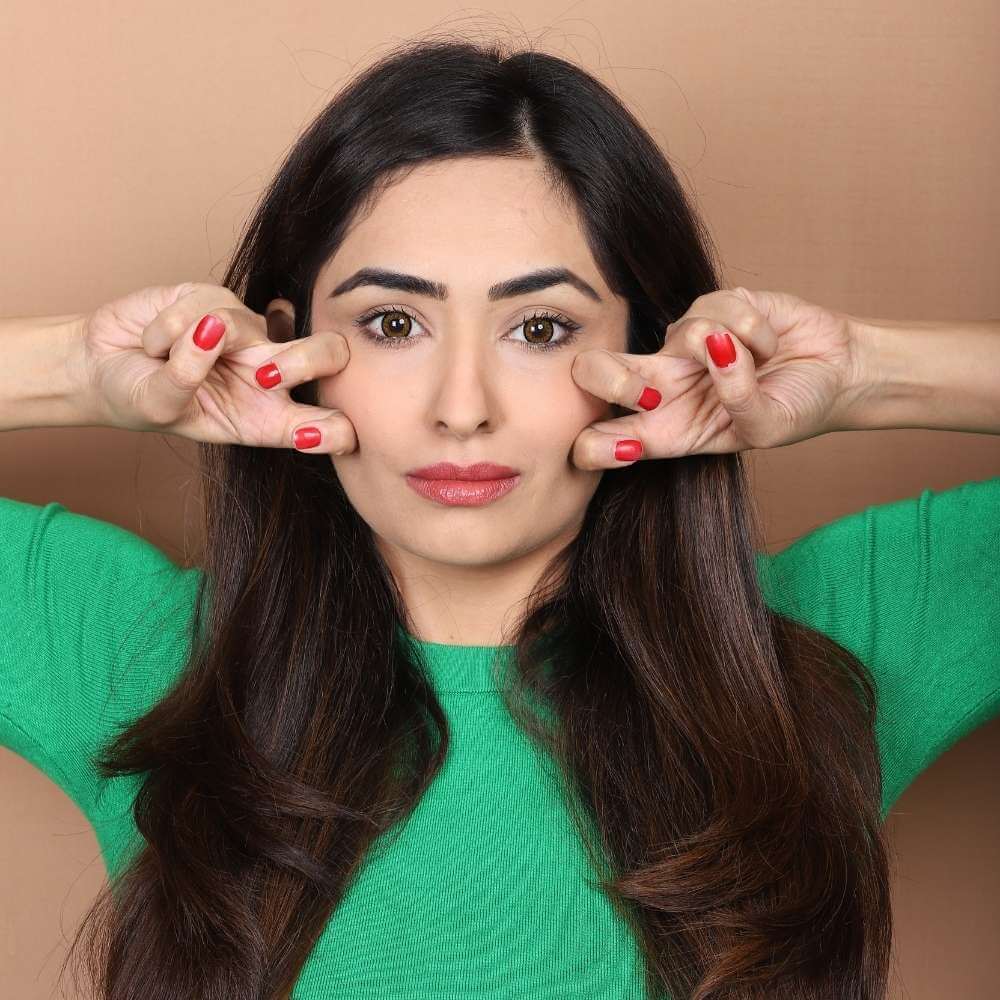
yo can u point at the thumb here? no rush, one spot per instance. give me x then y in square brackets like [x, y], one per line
[756, 417]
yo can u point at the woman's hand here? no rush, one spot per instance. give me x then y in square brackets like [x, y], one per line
[143, 363]
[798, 369]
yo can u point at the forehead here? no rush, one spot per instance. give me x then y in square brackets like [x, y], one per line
[472, 220]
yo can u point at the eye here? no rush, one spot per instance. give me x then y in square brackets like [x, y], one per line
[540, 325]
[395, 331]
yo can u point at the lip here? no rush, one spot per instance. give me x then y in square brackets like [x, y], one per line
[464, 473]
[463, 492]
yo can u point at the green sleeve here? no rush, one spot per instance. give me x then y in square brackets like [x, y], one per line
[92, 624]
[912, 588]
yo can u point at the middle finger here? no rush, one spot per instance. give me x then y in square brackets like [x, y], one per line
[608, 377]
[298, 361]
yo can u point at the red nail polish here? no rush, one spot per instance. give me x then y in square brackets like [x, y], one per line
[721, 348]
[268, 375]
[209, 332]
[650, 398]
[307, 437]
[628, 450]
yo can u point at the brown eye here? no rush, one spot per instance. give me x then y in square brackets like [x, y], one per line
[540, 327]
[396, 325]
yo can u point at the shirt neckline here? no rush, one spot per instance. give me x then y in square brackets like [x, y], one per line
[458, 668]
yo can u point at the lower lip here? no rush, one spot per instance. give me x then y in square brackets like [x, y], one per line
[463, 492]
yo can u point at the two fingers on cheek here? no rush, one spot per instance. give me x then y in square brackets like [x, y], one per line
[608, 441]
[719, 345]
[303, 361]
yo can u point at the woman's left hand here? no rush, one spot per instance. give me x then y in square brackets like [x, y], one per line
[798, 369]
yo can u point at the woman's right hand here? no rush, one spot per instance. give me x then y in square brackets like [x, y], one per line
[147, 372]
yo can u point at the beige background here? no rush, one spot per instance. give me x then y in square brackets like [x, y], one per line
[846, 152]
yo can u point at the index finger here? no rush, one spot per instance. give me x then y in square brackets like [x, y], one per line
[606, 375]
[243, 327]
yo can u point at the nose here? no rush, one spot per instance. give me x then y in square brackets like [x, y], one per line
[465, 397]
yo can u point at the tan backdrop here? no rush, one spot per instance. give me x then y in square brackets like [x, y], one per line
[845, 152]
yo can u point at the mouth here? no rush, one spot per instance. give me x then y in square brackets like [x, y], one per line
[463, 486]
[464, 473]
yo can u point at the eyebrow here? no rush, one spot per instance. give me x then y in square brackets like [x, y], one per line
[534, 281]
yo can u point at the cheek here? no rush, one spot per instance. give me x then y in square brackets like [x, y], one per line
[551, 410]
[558, 415]
[377, 417]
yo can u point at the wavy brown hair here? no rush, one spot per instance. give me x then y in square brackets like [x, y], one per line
[718, 759]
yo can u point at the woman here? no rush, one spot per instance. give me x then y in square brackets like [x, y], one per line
[559, 733]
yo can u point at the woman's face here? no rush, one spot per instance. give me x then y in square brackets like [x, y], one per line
[461, 382]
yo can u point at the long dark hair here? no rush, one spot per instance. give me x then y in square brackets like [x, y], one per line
[718, 759]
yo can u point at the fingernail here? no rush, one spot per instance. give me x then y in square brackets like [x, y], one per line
[720, 347]
[307, 437]
[268, 375]
[628, 450]
[650, 398]
[209, 332]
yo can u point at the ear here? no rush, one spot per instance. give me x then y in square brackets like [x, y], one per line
[280, 315]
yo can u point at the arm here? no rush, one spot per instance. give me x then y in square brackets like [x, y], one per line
[941, 375]
[912, 588]
[43, 382]
[95, 623]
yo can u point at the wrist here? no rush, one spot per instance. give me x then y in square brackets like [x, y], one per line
[934, 374]
[47, 384]
[82, 399]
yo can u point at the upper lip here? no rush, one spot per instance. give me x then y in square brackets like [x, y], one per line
[448, 470]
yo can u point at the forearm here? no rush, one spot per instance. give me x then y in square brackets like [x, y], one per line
[941, 375]
[42, 382]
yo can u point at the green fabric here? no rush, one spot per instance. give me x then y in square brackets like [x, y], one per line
[487, 891]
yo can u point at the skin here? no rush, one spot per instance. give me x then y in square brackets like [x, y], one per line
[467, 387]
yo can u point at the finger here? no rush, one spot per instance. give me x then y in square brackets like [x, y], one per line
[759, 420]
[243, 326]
[332, 434]
[320, 354]
[168, 392]
[729, 309]
[594, 450]
[605, 375]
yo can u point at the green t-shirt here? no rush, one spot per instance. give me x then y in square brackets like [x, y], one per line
[486, 891]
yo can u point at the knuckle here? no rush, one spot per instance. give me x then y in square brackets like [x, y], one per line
[621, 388]
[698, 326]
[694, 336]
[176, 324]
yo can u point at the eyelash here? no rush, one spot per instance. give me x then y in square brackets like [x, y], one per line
[394, 343]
